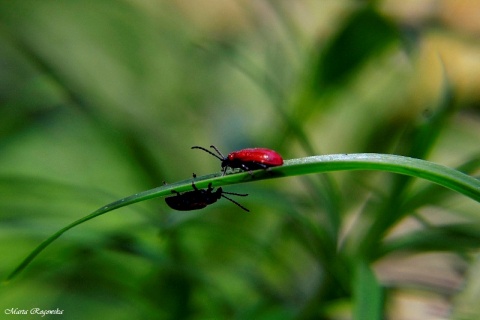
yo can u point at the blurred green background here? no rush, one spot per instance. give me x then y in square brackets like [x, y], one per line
[103, 99]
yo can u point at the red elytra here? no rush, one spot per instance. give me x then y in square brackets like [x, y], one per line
[247, 159]
[265, 156]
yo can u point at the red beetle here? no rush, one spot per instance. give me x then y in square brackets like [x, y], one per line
[247, 159]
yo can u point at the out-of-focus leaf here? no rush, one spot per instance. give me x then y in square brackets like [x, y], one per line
[363, 36]
[455, 237]
[368, 296]
[426, 133]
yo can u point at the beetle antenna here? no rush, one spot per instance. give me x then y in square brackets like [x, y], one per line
[238, 204]
[218, 151]
[213, 154]
[236, 194]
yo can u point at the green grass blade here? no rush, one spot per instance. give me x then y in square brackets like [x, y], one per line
[436, 173]
[442, 175]
[142, 196]
[434, 194]
[368, 293]
[455, 237]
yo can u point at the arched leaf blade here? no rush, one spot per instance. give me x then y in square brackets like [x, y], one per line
[442, 175]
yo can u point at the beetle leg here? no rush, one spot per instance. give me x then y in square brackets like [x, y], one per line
[262, 165]
[194, 186]
[246, 168]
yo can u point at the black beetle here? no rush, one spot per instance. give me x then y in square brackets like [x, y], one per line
[199, 198]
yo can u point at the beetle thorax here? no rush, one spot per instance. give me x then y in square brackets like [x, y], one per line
[225, 162]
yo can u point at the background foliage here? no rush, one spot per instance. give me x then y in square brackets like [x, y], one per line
[103, 99]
